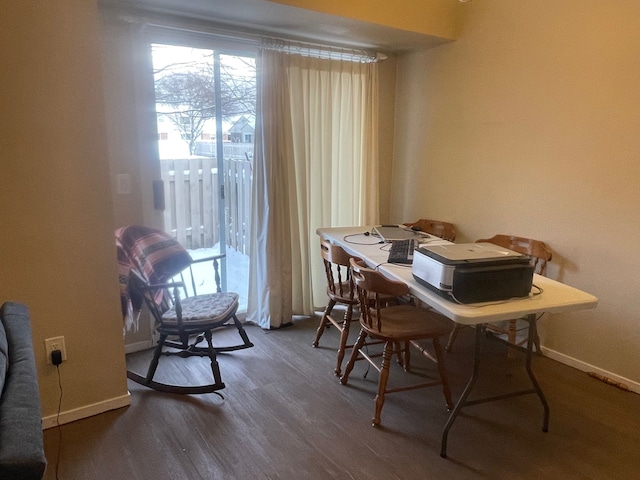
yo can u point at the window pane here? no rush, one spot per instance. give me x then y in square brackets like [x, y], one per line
[187, 103]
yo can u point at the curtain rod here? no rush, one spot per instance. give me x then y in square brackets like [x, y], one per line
[177, 23]
[321, 51]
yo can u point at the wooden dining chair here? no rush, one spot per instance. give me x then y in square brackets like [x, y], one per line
[444, 230]
[399, 327]
[341, 291]
[539, 255]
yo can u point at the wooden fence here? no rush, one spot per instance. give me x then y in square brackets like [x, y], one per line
[192, 200]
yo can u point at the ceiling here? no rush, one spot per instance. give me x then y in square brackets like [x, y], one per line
[266, 18]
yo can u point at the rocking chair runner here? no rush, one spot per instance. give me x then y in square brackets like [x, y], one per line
[181, 321]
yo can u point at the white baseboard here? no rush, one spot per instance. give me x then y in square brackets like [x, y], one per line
[585, 367]
[86, 411]
[137, 346]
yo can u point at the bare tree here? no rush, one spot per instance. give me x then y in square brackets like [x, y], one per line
[185, 93]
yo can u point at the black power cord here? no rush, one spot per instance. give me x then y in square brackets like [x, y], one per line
[56, 359]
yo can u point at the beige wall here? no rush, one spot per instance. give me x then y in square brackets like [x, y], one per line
[56, 239]
[387, 101]
[131, 124]
[528, 124]
[132, 137]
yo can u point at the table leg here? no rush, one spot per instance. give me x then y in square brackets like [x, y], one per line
[465, 393]
[462, 402]
[532, 338]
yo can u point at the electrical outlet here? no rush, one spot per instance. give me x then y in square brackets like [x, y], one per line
[55, 343]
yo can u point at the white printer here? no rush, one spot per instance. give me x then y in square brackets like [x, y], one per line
[473, 272]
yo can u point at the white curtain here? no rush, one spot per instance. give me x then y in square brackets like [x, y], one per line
[316, 166]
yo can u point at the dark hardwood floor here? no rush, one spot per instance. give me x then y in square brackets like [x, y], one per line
[285, 416]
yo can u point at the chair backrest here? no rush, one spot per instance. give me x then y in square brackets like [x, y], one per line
[158, 298]
[153, 253]
[338, 271]
[444, 230]
[154, 256]
[374, 291]
[537, 250]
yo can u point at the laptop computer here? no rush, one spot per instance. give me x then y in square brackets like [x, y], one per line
[389, 233]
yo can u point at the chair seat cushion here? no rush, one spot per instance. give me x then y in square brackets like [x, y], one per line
[410, 322]
[204, 309]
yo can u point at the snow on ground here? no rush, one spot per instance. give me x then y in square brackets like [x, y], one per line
[237, 272]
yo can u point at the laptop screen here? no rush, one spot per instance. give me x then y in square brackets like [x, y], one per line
[389, 233]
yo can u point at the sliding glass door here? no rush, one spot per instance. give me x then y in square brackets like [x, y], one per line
[205, 116]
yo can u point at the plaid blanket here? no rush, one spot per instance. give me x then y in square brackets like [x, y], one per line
[154, 255]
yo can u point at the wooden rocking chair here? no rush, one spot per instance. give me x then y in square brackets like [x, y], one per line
[182, 321]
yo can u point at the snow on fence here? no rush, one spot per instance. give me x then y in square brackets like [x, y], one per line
[191, 190]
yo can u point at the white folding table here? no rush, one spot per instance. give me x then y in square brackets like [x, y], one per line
[555, 297]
